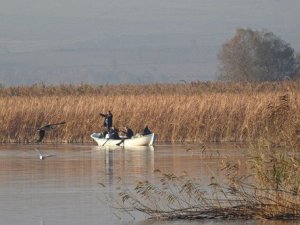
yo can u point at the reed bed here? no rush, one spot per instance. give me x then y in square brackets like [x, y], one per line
[193, 88]
[191, 112]
[270, 189]
[181, 197]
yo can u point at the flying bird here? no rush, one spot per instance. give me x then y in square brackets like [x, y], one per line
[42, 130]
[42, 156]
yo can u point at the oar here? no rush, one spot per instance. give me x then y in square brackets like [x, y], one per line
[106, 141]
[122, 141]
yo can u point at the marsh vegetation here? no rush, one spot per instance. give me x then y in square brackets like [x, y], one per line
[268, 189]
[187, 112]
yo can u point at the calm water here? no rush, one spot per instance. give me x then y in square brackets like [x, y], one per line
[71, 188]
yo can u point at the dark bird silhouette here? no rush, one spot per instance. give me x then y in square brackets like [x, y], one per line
[42, 130]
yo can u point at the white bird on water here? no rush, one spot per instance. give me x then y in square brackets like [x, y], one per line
[41, 156]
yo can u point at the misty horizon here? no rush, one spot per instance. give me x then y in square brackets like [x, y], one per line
[66, 41]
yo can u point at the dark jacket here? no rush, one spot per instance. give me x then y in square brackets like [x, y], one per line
[113, 134]
[108, 120]
[129, 133]
[146, 131]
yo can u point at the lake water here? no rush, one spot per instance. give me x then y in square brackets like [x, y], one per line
[72, 187]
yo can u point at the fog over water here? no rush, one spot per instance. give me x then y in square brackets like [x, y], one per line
[101, 41]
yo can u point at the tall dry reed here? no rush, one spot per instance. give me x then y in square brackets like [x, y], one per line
[193, 88]
[177, 113]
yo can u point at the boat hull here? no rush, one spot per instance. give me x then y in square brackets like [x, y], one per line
[146, 140]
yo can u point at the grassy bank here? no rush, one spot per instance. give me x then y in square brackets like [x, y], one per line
[187, 112]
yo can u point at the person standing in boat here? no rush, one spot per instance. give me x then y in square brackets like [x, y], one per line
[128, 134]
[108, 120]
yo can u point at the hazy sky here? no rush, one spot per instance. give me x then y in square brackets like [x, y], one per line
[196, 16]
[35, 25]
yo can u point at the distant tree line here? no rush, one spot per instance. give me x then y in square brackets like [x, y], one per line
[256, 56]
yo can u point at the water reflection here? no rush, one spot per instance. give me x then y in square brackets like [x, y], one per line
[71, 187]
[109, 166]
[127, 164]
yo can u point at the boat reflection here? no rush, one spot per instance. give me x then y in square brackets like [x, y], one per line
[109, 148]
[109, 166]
[127, 164]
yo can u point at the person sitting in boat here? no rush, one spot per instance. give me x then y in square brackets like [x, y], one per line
[108, 120]
[128, 134]
[113, 133]
[146, 131]
[103, 134]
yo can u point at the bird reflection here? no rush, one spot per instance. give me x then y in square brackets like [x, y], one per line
[43, 156]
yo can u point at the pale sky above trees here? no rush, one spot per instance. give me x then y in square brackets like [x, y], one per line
[168, 38]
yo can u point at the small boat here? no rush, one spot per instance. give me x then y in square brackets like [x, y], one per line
[137, 140]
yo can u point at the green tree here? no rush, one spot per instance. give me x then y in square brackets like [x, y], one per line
[256, 56]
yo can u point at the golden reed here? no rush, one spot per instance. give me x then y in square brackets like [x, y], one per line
[188, 112]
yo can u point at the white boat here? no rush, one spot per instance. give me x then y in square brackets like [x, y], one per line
[137, 140]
